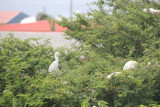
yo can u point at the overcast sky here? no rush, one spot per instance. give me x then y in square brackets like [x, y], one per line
[52, 7]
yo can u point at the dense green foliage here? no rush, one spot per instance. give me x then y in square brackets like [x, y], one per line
[42, 16]
[124, 30]
[109, 41]
[25, 80]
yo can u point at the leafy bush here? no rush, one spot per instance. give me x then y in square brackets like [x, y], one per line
[25, 80]
[20, 62]
[124, 31]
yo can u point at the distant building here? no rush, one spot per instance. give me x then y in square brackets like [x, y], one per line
[30, 19]
[8, 17]
[18, 21]
[38, 26]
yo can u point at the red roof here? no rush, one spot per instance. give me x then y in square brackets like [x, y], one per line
[39, 26]
[6, 16]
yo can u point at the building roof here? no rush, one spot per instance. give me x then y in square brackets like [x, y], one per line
[6, 16]
[11, 17]
[39, 26]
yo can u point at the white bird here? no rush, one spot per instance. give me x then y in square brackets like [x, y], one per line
[5, 91]
[130, 65]
[151, 10]
[54, 66]
[153, 63]
[149, 63]
[83, 57]
[114, 73]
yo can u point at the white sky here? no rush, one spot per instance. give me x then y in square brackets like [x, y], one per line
[52, 7]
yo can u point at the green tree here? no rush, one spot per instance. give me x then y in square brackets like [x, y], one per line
[42, 16]
[118, 27]
[25, 80]
[19, 62]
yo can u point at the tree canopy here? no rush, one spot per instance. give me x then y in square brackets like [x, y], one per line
[118, 27]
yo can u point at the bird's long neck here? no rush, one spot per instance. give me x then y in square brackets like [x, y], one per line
[56, 58]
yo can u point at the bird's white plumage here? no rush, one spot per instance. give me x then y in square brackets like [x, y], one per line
[151, 10]
[154, 11]
[54, 66]
[130, 65]
[110, 75]
[83, 57]
[149, 63]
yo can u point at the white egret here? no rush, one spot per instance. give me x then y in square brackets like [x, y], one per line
[149, 63]
[151, 10]
[130, 65]
[54, 66]
[83, 57]
[5, 91]
[153, 63]
[114, 73]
